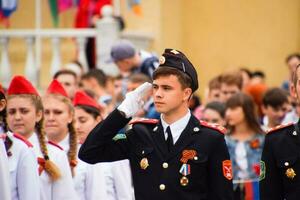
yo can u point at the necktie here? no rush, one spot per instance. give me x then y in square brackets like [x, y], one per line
[169, 139]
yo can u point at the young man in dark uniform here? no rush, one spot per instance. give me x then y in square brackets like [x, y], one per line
[280, 162]
[176, 157]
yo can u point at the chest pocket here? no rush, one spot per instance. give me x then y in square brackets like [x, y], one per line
[289, 170]
[143, 151]
[198, 166]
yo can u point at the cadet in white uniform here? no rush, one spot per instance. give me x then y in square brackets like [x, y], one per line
[25, 116]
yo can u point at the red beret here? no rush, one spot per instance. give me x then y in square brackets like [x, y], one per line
[81, 98]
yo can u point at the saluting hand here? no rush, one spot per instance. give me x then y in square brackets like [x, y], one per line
[134, 100]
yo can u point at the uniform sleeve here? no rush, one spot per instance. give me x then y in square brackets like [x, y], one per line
[219, 187]
[27, 176]
[63, 188]
[4, 175]
[95, 187]
[123, 181]
[100, 146]
[271, 185]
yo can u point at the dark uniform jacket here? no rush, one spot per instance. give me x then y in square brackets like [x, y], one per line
[280, 164]
[160, 179]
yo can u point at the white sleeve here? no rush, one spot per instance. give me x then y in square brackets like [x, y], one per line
[121, 173]
[95, 187]
[27, 176]
[4, 173]
[64, 187]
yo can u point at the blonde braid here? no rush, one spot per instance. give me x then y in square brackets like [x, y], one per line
[72, 153]
[51, 169]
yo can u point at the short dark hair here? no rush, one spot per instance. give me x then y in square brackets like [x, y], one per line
[219, 107]
[94, 112]
[97, 74]
[275, 97]
[64, 71]
[291, 56]
[184, 79]
[258, 73]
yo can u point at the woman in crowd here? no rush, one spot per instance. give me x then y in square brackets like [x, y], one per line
[25, 116]
[117, 174]
[214, 112]
[22, 163]
[245, 140]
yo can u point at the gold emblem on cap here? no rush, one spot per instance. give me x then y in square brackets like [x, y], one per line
[184, 181]
[174, 51]
[144, 163]
[290, 173]
[162, 60]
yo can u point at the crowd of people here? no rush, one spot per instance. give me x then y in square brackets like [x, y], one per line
[82, 138]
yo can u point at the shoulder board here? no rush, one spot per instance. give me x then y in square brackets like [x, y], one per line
[3, 136]
[56, 145]
[217, 127]
[143, 121]
[271, 130]
[23, 139]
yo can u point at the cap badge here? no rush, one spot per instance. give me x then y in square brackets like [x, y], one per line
[174, 51]
[162, 60]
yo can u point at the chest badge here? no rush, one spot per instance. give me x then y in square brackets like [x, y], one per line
[144, 163]
[290, 173]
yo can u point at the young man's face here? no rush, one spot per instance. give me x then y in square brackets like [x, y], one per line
[227, 91]
[275, 115]
[168, 94]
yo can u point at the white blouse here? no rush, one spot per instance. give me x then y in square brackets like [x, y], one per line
[24, 179]
[4, 174]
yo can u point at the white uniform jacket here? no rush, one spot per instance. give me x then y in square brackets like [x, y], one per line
[61, 189]
[89, 180]
[24, 178]
[4, 173]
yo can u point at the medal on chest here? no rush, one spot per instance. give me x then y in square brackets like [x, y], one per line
[185, 169]
[144, 163]
[290, 173]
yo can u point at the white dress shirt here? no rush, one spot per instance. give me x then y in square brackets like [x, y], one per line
[89, 180]
[62, 189]
[176, 127]
[4, 173]
[24, 178]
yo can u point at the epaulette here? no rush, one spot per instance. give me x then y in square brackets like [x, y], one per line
[217, 127]
[143, 121]
[271, 130]
[20, 137]
[3, 136]
[56, 145]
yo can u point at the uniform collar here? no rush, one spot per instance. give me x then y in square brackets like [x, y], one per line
[176, 127]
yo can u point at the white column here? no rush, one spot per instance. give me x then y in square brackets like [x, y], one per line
[5, 69]
[56, 60]
[81, 42]
[30, 66]
[107, 33]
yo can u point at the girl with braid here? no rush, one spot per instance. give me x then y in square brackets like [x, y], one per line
[117, 174]
[25, 116]
[22, 162]
[59, 127]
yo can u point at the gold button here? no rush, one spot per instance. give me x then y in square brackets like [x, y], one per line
[286, 164]
[165, 165]
[162, 187]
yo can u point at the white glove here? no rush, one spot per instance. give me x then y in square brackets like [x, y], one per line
[133, 100]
